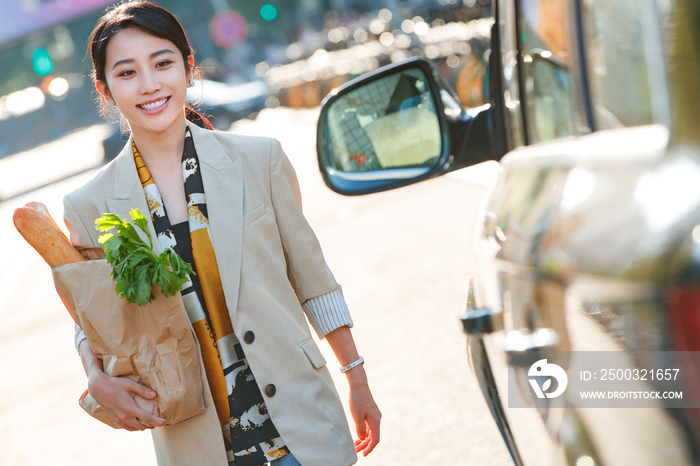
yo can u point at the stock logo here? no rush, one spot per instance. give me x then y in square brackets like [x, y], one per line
[542, 369]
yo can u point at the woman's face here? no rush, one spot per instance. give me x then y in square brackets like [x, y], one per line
[147, 79]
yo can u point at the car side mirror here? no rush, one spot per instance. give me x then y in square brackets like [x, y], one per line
[396, 126]
[384, 130]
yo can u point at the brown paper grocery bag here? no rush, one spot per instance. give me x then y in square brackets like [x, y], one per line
[152, 344]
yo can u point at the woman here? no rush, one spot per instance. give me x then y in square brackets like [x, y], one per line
[230, 206]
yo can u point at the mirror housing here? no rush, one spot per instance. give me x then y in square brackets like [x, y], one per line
[398, 125]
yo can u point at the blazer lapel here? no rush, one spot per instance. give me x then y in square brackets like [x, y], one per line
[222, 177]
[128, 193]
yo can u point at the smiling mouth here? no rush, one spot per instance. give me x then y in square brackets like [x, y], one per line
[151, 106]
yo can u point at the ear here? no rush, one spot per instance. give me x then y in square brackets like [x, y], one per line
[103, 90]
[190, 61]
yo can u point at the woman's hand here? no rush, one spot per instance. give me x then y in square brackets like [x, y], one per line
[364, 411]
[116, 395]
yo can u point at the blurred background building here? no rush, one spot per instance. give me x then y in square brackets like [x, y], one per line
[252, 54]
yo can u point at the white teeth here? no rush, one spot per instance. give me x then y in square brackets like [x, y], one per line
[154, 105]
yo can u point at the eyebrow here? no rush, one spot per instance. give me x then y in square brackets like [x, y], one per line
[153, 55]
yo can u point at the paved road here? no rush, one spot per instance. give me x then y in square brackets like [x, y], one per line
[403, 260]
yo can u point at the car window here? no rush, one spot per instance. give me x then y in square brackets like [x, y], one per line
[548, 67]
[509, 65]
[620, 41]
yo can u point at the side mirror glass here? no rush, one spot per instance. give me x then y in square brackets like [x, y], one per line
[383, 131]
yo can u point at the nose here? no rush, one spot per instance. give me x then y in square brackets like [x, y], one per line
[149, 83]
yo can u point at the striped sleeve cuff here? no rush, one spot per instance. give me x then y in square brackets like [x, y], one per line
[79, 337]
[328, 312]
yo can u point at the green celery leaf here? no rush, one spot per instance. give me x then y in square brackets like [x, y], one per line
[107, 222]
[141, 221]
[135, 266]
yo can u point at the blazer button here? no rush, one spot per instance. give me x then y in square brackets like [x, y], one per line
[249, 337]
[270, 390]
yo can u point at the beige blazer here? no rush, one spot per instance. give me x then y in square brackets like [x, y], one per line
[270, 261]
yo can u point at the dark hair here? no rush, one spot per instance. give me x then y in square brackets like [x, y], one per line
[146, 17]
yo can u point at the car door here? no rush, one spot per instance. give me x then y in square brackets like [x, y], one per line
[541, 89]
[589, 228]
[567, 226]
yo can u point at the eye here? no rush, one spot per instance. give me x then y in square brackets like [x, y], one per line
[126, 73]
[163, 63]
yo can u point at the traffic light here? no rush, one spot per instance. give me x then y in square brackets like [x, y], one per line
[41, 62]
[268, 12]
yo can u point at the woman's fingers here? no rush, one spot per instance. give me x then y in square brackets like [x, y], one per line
[139, 419]
[149, 420]
[144, 418]
[133, 426]
[138, 389]
[360, 428]
[116, 396]
[361, 444]
[367, 444]
[367, 417]
[126, 421]
[373, 436]
[137, 422]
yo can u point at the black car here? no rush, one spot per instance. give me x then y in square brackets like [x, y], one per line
[589, 242]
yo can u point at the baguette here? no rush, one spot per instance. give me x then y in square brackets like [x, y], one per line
[42, 208]
[36, 225]
[42, 233]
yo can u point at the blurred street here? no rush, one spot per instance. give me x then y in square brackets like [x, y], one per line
[403, 260]
[249, 56]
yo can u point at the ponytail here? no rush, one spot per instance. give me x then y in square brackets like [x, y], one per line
[197, 118]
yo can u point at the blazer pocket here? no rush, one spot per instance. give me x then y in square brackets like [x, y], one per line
[313, 353]
[253, 215]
